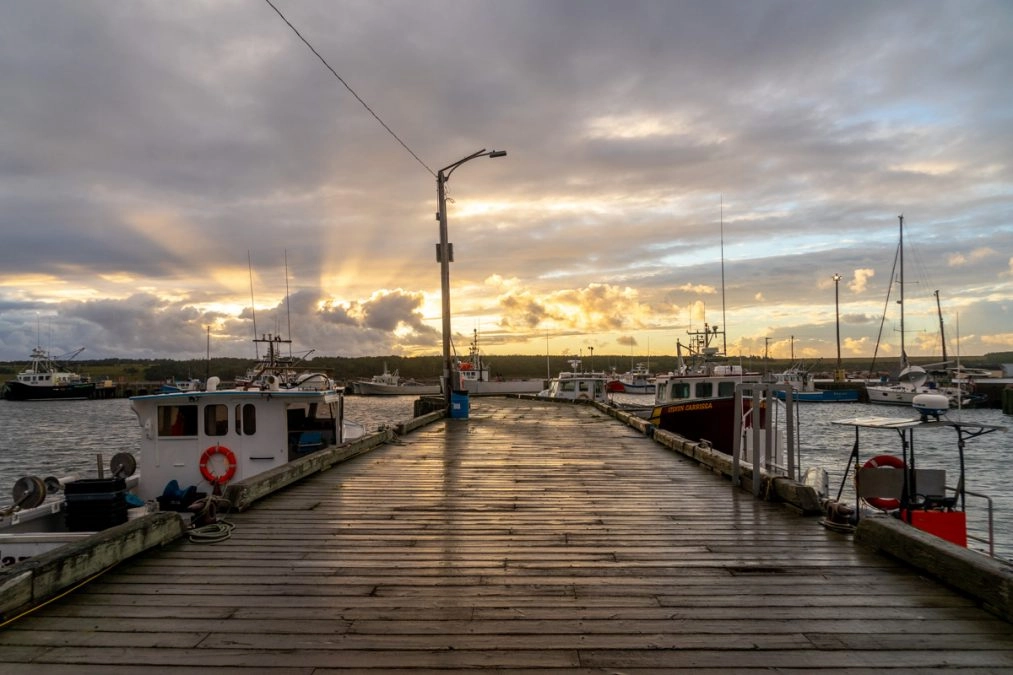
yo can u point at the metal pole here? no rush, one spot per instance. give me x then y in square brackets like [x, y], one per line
[444, 256]
[443, 253]
[837, 315]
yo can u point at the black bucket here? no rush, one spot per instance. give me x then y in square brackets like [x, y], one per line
[94, 504]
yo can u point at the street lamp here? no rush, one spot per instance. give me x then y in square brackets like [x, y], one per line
[444, 255]
[838, 375]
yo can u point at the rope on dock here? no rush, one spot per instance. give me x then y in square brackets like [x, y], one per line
[211, 534]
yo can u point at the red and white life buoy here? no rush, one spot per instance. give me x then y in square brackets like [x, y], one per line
[230, 465]
[884, 462]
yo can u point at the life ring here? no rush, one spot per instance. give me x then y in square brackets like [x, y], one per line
[886, 462]
[230, 464]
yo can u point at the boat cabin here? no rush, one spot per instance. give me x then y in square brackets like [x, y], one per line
[718, 382]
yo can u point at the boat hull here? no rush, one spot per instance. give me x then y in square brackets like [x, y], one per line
[823, 396]
[900, 395]
[376, 389]
[494, 387]
[711, 420]
[18, 391]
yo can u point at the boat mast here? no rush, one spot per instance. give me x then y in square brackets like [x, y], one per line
[903, 351]
[253, 305]
[942, 335]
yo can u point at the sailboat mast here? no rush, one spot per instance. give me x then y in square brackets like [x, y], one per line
[903, 350]
[942, 335]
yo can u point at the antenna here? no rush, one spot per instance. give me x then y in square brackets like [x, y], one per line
[548, 370]
[724, 320]
[253, 305]
[288, 306]
[207, 371]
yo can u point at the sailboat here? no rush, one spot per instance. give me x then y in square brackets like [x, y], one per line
[912, 380]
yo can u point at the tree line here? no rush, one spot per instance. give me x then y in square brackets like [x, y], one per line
[430, 367]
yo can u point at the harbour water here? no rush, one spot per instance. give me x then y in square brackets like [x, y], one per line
[62, 438]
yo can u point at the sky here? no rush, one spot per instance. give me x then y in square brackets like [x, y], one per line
[178, 175]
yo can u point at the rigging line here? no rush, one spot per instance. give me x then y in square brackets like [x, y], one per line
[357, 97]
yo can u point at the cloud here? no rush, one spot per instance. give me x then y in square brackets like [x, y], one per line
[860, 280]
[958, 259]
[1001, 341]
[159, 169]
[594, 308]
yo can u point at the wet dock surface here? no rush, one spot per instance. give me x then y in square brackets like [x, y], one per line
[532, 537]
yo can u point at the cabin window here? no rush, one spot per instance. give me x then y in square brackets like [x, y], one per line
[726, 389]
[680, 390]
[568, 386]
[216, 420]
[177, 420]
[246, 419]
[704, 389]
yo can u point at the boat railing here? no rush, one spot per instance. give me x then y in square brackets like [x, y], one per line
[767, 452]
[990, 541]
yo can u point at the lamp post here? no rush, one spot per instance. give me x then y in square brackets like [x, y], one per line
[444, 254]
[838, 375]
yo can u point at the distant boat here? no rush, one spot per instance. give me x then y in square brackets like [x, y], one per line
[391, 384]
[473, 376]
[47, 379]
[638, 380]
[912, 380]
[171, 385]
[576, 385]
[804, 388]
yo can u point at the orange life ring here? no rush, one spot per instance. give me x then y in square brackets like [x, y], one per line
[230, 464]
[887, 462]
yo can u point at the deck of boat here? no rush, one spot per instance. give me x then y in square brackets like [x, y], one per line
[530, 537]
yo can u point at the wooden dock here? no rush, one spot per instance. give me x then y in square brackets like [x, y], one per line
[531, 537]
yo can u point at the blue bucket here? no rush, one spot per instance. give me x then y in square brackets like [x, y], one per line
[459, 405]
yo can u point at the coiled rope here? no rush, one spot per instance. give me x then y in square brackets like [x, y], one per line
[211, 534]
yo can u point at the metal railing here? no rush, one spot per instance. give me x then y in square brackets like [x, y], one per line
[991, 538]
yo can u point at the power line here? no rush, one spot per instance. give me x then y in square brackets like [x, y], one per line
[342, 81]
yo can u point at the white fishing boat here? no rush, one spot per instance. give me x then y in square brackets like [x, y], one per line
[912, 380]
[638, 380]
[473, 375]
[576, 385]
[800, 379]
[172, 385]
[48, 378]
[392, 384]
[193, 446]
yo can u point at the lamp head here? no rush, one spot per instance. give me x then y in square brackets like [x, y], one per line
[497, 153]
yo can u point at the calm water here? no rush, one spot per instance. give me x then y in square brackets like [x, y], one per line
[61, 438]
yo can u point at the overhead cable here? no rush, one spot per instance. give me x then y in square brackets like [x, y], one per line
[358, 98]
